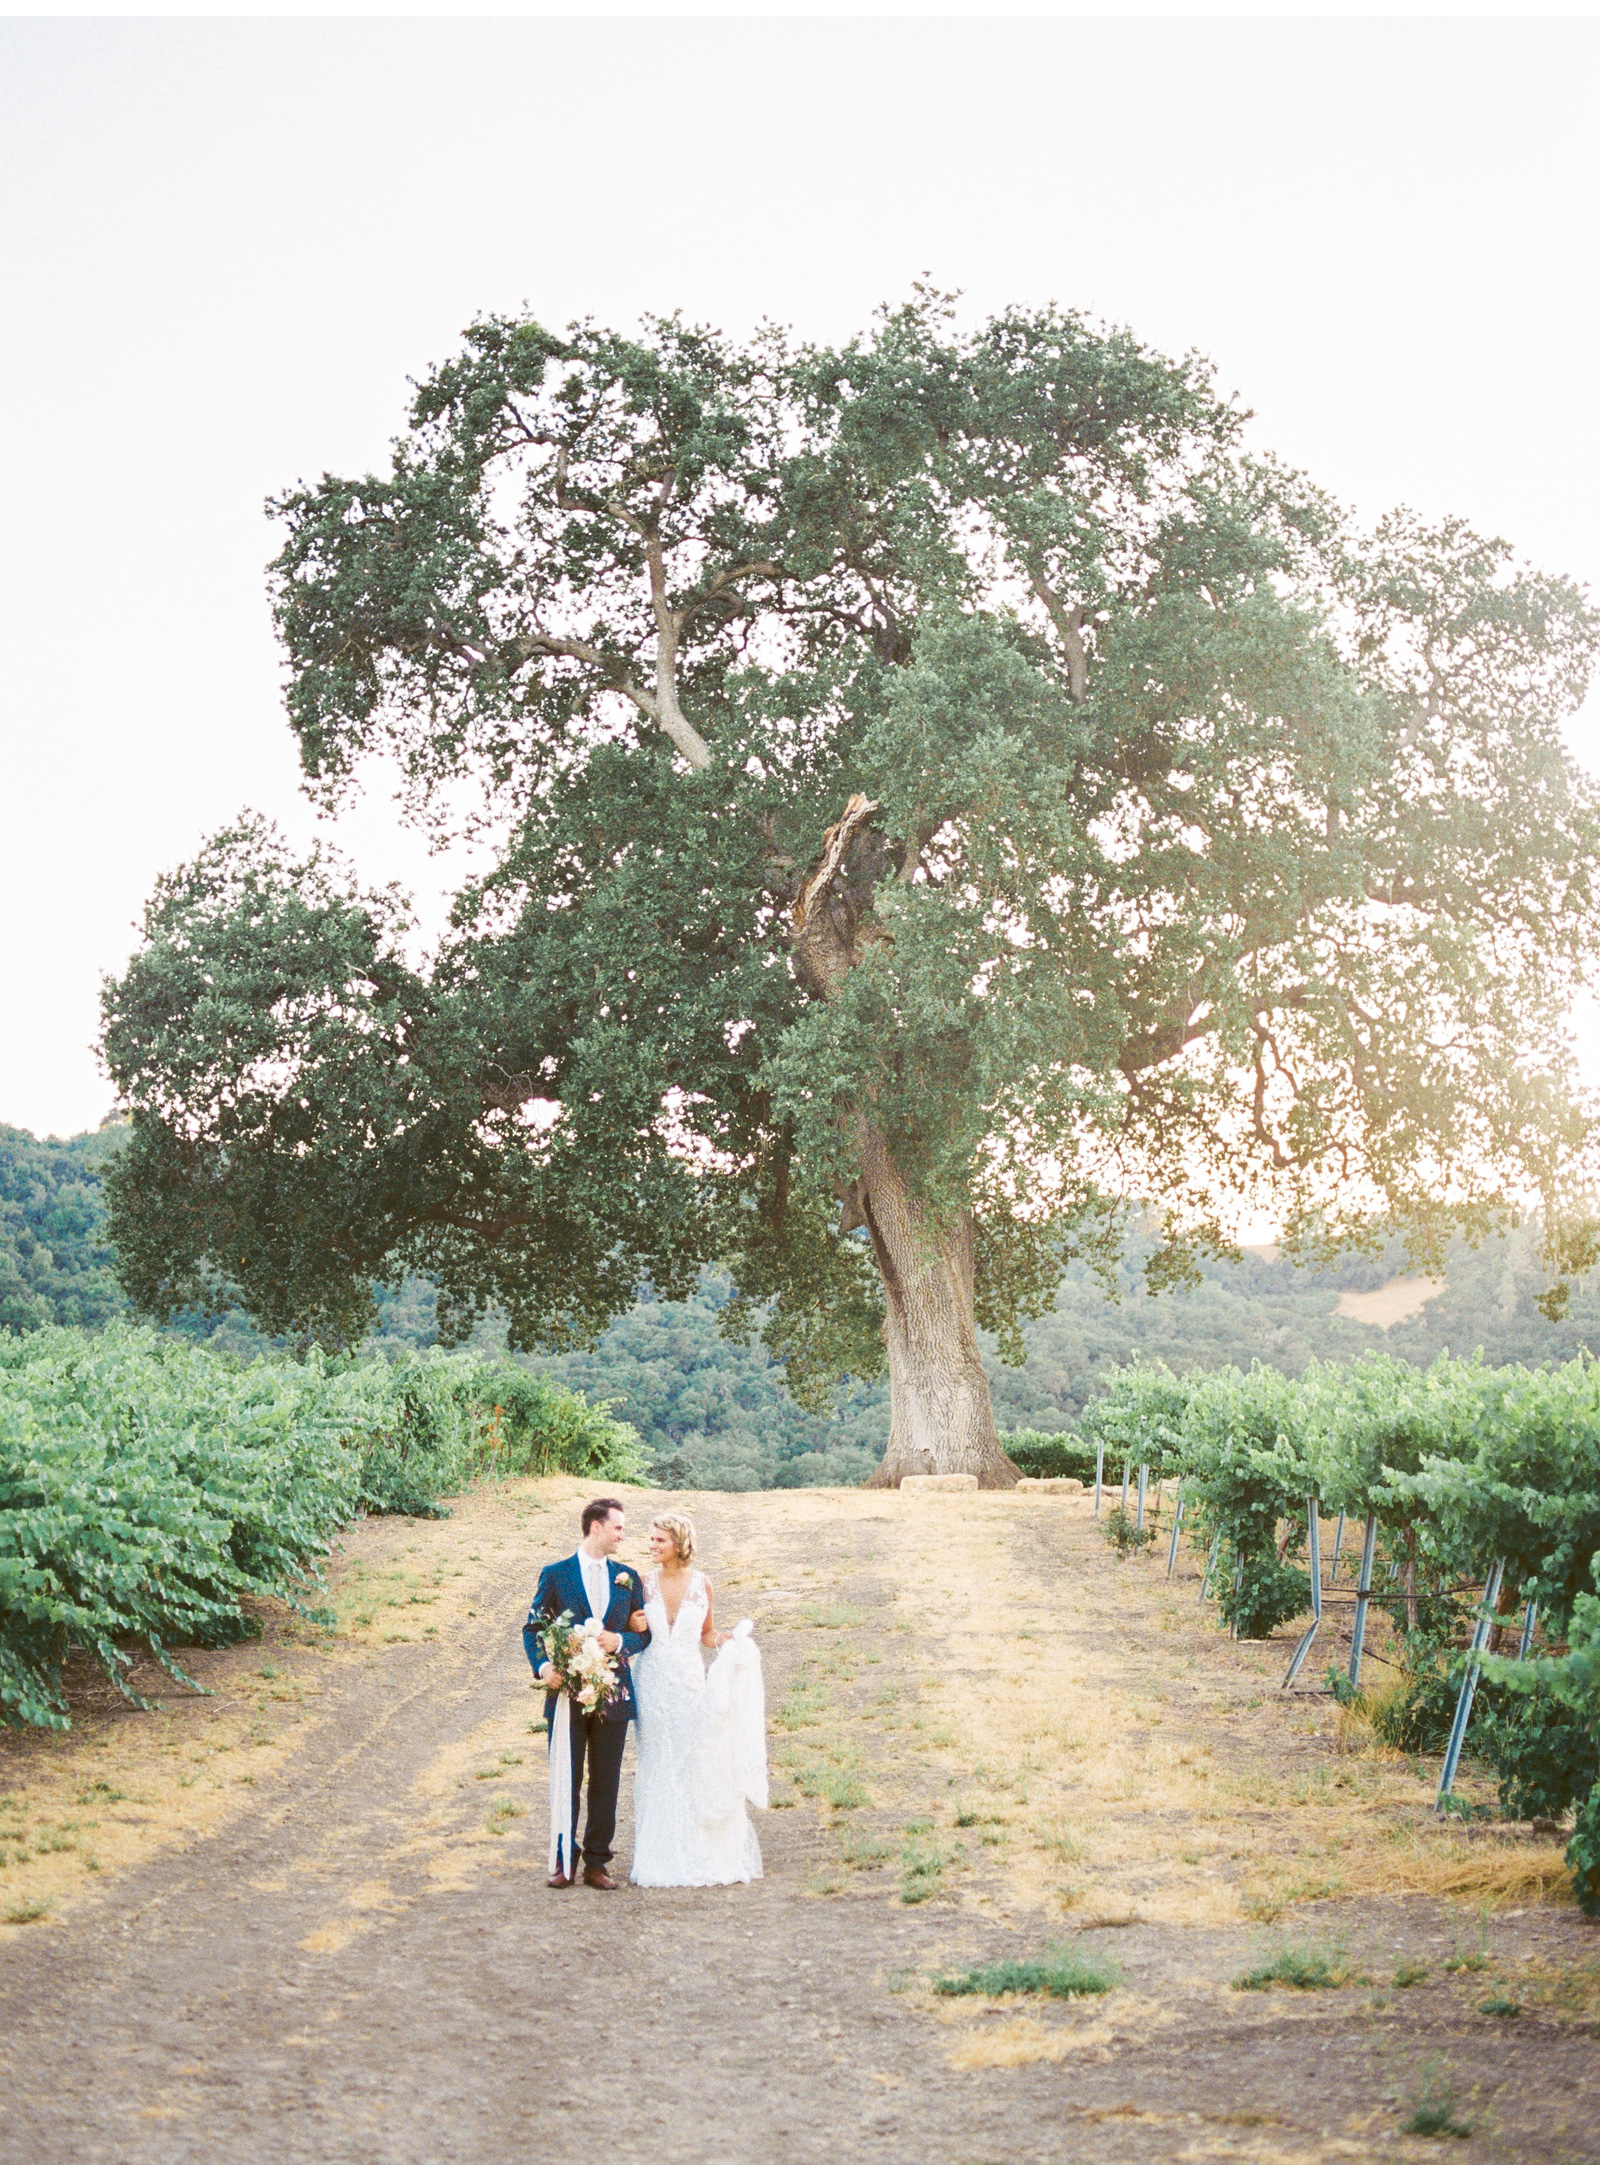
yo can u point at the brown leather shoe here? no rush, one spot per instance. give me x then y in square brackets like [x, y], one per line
[596, 1875]
[558, 1879]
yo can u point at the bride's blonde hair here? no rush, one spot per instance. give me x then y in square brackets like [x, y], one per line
[681, 1529]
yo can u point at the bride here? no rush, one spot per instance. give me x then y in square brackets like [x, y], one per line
[701, 1737]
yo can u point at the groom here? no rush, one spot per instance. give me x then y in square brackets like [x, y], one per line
[591, 1583]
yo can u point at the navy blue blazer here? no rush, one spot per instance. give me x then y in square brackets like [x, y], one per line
[561, 1588]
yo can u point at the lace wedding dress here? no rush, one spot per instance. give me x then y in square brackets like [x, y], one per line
[702, 1751]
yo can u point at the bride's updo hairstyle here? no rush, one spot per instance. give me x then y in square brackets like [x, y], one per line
[680, 1530]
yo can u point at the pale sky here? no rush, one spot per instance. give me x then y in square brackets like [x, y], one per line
[225, 246]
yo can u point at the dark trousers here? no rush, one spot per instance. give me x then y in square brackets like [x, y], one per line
[599, 1743]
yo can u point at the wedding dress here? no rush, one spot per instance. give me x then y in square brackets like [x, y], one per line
[702, 1750]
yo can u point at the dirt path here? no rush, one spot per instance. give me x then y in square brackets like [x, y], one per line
[318, 1929]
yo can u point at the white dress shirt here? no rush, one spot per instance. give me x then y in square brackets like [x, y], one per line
[596, 1583]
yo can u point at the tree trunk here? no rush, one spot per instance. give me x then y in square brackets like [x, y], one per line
[940, 1416]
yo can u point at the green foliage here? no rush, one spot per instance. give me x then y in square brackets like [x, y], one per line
[1461, 1462]
[150, 1490]
[145, 1492]
[1436, 2116]
[1062, 1977]
[1304, 1969]
[1195, 822]
[1263, 1595]
[1124, 1533]
[1242, 1448]
[1416, 1715]
[1143, 1421]
[1573, 1683]
[56, 1264]
[1507, 1463]
[1459, 1964]
[844, 1791]
[1282, 1313]
[712, 1411]
[1049, 1457]
[434, 1423]
[1583, 1854]
[1546, 1755]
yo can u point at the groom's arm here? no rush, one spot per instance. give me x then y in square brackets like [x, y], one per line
[539, 1612]
[633, 1642]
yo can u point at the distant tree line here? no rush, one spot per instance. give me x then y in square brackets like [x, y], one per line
[56, 1265]
[713, 1413]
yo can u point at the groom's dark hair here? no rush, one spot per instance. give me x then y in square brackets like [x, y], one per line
[601, 1508]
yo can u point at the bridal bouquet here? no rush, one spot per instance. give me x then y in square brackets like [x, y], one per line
[584, 1670]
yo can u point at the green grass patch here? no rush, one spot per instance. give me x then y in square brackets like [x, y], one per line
[1499, 2006]
[1065, 1977]
[1436, 2120]
[1123, 1532]
[1301, 1969]
[831, 1615]
[844, 1792]
[863, 1852]
[922, 1864]
[803, 1708]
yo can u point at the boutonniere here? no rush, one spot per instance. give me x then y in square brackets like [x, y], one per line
[624, 1578]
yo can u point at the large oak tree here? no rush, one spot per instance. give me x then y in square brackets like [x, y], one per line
[946, 791]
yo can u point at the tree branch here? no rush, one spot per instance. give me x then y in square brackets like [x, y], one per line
[669, 716]
[617, 677]
[721, 583]
[1069, 623]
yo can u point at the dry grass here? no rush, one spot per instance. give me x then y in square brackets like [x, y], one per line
[1572, 1992]
[1127, 1760]
[1436, 1861]
[1020, 2041]
[1391, 1303]
[121, 1784]
[996, 2036]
